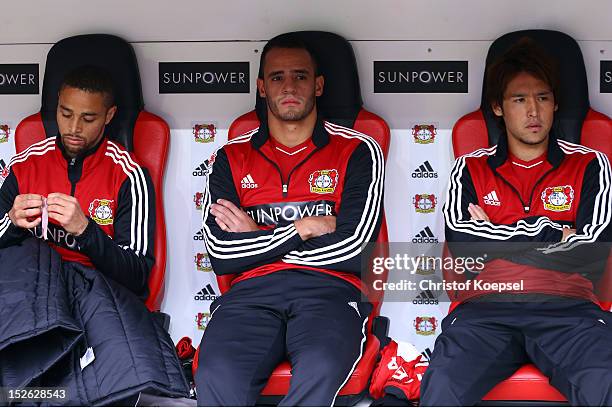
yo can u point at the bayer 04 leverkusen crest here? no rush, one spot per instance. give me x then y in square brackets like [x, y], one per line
[323, 181]
[558, 198]
[101, 211]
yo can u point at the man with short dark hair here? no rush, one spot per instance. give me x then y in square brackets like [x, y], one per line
[287, 208]
[72, 315]
[100, 201]
[537, 206]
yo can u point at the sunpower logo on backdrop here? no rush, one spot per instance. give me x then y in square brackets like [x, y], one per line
[605, 74]
[18, 79]
[420, 76]
[203, 77]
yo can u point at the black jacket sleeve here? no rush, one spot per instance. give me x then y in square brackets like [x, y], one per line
[470, 237]
[358, 219]
[236, 252]
[10, 234]
[128, 257]
[585, 252]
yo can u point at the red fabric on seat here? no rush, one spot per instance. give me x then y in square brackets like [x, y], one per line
[278, 384]
[470, 133]
[151, 144]
[29, 131]
[526, 384]
[597, 132]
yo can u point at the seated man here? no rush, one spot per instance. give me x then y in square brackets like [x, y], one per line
[100, 202]
[287, 208]
[546, 203]
[94, 205]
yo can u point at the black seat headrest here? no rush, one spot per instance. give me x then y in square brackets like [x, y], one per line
[341, 100]
[573, 95]
[109, 52]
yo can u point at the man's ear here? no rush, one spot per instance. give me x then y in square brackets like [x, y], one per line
[110, 113]
[497, 110]
[556, 107]
[260, 88]
[319, 82]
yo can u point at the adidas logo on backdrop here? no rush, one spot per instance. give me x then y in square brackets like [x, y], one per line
[425, 171]
[425, 237]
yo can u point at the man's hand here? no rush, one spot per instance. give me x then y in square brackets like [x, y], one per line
[231, 218]
[566, 233]
[312, 227]
[66, 210]
[26, 211]
[478, 213]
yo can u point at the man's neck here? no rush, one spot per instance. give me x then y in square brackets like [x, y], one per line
[81, 154]
[527, 152]
[292, 133]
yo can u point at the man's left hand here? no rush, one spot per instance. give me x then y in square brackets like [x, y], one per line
[66, 210]
[231, 218]
[478, 213]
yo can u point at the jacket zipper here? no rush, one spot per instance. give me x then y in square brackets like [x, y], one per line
[72, 183]
[285, 185]
[526, 208]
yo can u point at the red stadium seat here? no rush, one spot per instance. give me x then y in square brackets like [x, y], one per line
[143, 133]
[577, 123]
[337, 63]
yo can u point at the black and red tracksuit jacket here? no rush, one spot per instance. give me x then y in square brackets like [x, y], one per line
[522, 239]
[114, 192]
[342, 176]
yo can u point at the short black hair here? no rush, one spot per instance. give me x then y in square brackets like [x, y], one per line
[288, 40]
[524, 56]
[93, 79]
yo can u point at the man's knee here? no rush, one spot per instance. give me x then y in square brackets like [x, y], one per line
[327, 361]
[586, 387]
[214, 364]
[325, 367]
[218, 382]
[437, 387]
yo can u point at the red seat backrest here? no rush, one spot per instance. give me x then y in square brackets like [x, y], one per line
[470, 133]
[151, 142]
[367, 123]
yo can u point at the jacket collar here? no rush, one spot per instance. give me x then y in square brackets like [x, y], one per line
[81, 156]
[320, 137]
[554, 155]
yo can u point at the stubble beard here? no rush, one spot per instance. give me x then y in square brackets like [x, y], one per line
[292, 115]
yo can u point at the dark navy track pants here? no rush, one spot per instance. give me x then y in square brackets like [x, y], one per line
[315, 321]
[483, 343]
